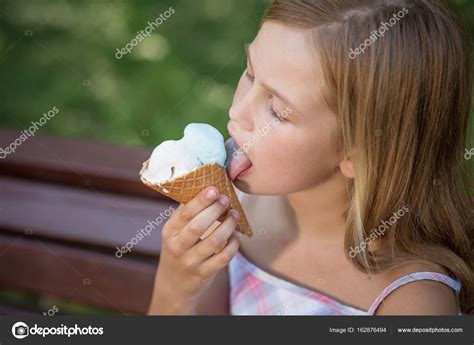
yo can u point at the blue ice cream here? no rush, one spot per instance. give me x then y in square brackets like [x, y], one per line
[206, 143]
[201, 144]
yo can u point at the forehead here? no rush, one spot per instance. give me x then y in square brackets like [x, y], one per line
[282, 57]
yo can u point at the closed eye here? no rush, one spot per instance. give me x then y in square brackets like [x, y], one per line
[249, 77]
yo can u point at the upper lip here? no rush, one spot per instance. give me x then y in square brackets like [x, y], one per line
[232, 134]
[236, 140]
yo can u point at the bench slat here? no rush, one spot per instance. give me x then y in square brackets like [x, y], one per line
[41, 267]
[76, 162]
[82, 216]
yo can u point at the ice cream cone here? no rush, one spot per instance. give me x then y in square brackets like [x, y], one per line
[182, 189]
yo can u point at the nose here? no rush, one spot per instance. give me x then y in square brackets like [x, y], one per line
[243, 110]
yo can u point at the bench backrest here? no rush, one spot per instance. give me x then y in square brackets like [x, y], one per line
[65, 207]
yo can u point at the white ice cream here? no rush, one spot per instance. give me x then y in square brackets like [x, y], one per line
[201, 144]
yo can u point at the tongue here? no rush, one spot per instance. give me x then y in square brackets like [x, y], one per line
[237, 161]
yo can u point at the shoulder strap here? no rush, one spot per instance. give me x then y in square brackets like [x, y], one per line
[442, 278]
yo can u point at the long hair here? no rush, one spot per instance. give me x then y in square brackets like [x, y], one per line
[402, 95]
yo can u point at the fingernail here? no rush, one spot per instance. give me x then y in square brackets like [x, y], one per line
[211, 194]
[235, 214]
[223, 200]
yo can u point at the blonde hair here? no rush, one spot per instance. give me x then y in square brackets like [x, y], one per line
[403, 107]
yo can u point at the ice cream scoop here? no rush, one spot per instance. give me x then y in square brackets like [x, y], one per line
[206, 143]
[201, 144]
[170, 159]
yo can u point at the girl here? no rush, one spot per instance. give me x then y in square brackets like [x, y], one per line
[357, 193]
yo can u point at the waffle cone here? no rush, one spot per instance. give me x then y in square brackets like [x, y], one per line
[184, 188]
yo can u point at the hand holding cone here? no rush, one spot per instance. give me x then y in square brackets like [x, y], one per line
[182, 189]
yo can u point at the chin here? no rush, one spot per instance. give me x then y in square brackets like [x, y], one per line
[253, 186]
[243, 187]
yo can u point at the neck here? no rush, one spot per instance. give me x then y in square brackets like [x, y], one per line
[319, 211]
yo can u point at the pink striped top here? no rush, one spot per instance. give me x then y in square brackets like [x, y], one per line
[257, 292]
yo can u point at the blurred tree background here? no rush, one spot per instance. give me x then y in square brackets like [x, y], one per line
[62, 53]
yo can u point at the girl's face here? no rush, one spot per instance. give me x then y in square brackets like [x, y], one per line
[279, 118]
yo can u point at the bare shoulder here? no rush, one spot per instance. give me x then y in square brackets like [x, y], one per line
[421, 297]
[215, 300]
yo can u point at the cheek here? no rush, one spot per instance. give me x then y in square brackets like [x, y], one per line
[287, 161]
[287, 150]
[283, 166]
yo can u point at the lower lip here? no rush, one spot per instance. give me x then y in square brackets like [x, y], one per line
[243, 173]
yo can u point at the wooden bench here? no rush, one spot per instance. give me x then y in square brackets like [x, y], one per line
[65, 207]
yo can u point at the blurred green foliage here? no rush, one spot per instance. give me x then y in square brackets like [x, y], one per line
[62, 53]
[45, 304]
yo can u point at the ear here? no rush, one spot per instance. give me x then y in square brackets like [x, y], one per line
[347, 168]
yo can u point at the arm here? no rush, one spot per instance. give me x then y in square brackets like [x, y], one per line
[215, 300]
[188, 264]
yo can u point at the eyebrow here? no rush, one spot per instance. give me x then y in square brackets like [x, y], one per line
[269, 88]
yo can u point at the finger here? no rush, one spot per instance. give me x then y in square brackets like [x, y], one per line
[185, 213]
[213, 227]
[218, 239]
[191, 233]
[221, 259]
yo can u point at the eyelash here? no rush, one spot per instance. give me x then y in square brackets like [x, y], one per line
[273, 113]
[251, 78]
[270, 105]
